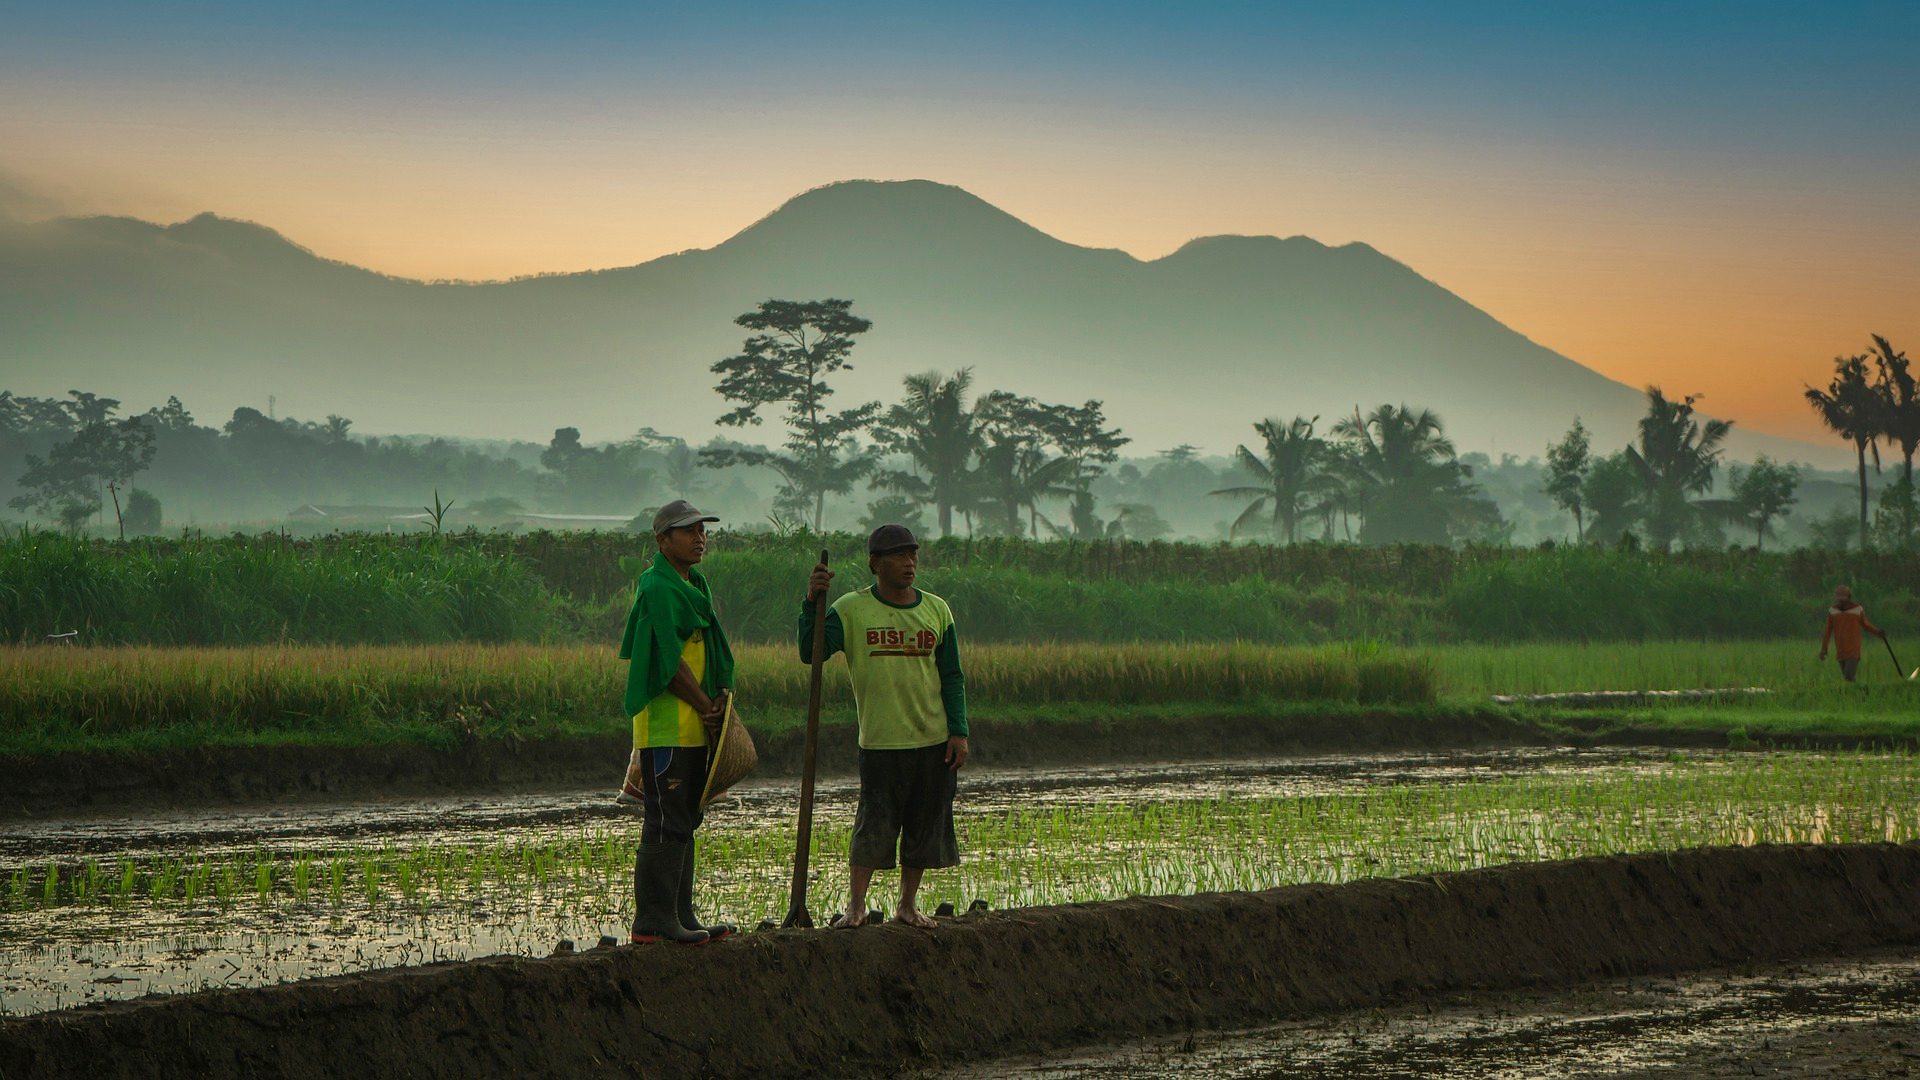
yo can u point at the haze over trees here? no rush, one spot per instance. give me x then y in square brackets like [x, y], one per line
[993, 462]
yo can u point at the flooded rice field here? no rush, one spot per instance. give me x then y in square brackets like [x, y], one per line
[102, 907]
[1843, 1018]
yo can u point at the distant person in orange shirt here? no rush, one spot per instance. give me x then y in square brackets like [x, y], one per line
[1845, 620]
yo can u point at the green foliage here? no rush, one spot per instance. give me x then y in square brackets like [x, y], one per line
[1855, 411]
[1568, 462]
[472, 586]
[1764, 492]
[1293, 478]
[1674, 459]
[142, 516]
[361, 589]
[1406, 481]
[1896, 521]
[795, 346]
[1601, 595]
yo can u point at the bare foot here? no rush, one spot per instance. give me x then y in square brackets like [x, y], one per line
[849, 919]
[912, 917]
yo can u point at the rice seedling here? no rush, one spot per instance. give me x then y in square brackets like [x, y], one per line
[1051, 853]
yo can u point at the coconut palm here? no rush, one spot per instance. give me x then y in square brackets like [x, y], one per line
[1855, 412]
[1899, 395]
[938, 430]
[1675, 456]
[1290, 480]
[1407, 481]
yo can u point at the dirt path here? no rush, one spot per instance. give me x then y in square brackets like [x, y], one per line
[791, 1003]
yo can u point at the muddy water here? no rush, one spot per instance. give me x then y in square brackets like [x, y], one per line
[1840, 1018]
[68, 955]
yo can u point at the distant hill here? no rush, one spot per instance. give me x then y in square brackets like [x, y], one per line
[1193, 347]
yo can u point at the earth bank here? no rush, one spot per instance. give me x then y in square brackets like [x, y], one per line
[790, 1003]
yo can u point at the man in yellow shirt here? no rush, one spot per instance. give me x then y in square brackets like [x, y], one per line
[904, 660]
[679, 665]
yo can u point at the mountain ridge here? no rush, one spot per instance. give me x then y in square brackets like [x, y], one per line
[215, 305]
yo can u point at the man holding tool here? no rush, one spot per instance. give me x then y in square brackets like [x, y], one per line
[904, 661]
[681, 669]
[1845, 621]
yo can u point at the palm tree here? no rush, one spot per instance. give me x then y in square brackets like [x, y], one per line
[1675, 458]
[1288, 479]
[938, 431]
[1854, 411]
[1407, 480]
[1015, 474]
[1899, 401]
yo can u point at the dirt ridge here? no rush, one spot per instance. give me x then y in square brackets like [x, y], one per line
[792, 1003]
[214, 775]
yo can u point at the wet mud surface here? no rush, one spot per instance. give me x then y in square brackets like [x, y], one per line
[70, 955]
[1850, 1017]
[1600, 935]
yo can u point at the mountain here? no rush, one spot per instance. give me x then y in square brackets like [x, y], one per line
[1193, 347]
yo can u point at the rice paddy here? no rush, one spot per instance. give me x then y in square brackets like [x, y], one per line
[54, 698]
[279, 907]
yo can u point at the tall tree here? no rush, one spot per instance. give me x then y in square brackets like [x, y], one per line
[1899, 395]
[1764, 492]
[1017, 471]
[1853, 410]
[794, 347]
[936, 428]
[1290, 478]
[1567, 463]
[1676, 455]
[1407, 480]
[67, 482]
[1612, 494]
[681, 464]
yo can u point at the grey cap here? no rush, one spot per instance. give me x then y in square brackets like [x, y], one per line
[890, 538]
[676, 514]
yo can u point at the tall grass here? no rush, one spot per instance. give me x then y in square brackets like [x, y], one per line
[53, 696]
[359, 588]
[369, 589]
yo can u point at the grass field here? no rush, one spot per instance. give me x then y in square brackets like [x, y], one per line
[57, 698]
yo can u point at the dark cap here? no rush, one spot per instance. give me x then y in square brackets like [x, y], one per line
[678, 513]
[888, 538]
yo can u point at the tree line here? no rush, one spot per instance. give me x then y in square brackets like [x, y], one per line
[987, 462]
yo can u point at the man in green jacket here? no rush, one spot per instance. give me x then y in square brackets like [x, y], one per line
[679, 666]
[904, 659]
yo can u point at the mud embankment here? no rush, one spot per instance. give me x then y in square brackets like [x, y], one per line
[51, 783]
[214, 775]
[790, 1003]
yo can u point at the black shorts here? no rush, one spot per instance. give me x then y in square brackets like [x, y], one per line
[906, 800]
[670, 783]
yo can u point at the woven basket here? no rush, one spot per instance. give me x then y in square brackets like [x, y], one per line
[732, 757]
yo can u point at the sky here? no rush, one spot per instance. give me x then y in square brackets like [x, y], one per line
[1718, 198]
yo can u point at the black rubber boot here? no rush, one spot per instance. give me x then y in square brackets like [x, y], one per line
[656, 873]
[715, 931]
